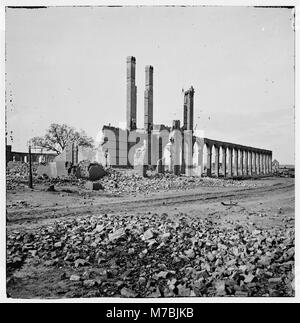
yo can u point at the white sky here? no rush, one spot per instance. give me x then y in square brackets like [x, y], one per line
[68, 65]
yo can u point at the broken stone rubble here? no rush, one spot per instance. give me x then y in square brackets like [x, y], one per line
[120, 182]
[198, 259]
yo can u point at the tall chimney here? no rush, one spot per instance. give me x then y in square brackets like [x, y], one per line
[131, 94]
[148, 99]
[188, 109]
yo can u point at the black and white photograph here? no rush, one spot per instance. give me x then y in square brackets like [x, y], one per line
[150, 152]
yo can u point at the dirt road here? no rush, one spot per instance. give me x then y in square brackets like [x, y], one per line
[278, 191]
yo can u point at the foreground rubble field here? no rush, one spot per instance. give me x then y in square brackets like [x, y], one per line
[213, 238]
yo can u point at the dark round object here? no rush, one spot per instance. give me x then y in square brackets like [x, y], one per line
[96, 172]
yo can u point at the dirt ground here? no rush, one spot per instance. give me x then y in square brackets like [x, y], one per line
[267, 205]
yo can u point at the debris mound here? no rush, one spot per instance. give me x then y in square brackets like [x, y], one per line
[158, 256]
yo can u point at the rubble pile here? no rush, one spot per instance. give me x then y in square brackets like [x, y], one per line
[118, 182]
[158, 256]
[20, 168]
[17, 174]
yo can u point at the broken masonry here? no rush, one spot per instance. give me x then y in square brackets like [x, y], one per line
[176, 149]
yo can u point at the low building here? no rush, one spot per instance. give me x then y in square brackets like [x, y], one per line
[36, 157]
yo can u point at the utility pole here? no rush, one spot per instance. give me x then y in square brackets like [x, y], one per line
[106, 155]
[30, 167]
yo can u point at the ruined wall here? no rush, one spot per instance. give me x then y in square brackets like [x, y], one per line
[175, 149]
[115, 145]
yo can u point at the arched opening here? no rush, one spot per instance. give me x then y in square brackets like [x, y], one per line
[244, 162]
[248, 163]
[167, 158]
[235, 161]
[213, 160]
[227, 162]
[221, 161]
[204, 160]
[224, 161]
[197, 159]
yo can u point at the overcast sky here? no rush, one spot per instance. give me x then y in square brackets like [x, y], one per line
[68, 65]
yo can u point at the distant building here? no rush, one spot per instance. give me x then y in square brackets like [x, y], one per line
[23, 156]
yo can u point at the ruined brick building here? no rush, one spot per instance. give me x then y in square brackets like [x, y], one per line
[173, 148]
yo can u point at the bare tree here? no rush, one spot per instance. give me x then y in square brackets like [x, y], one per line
[58, 136]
